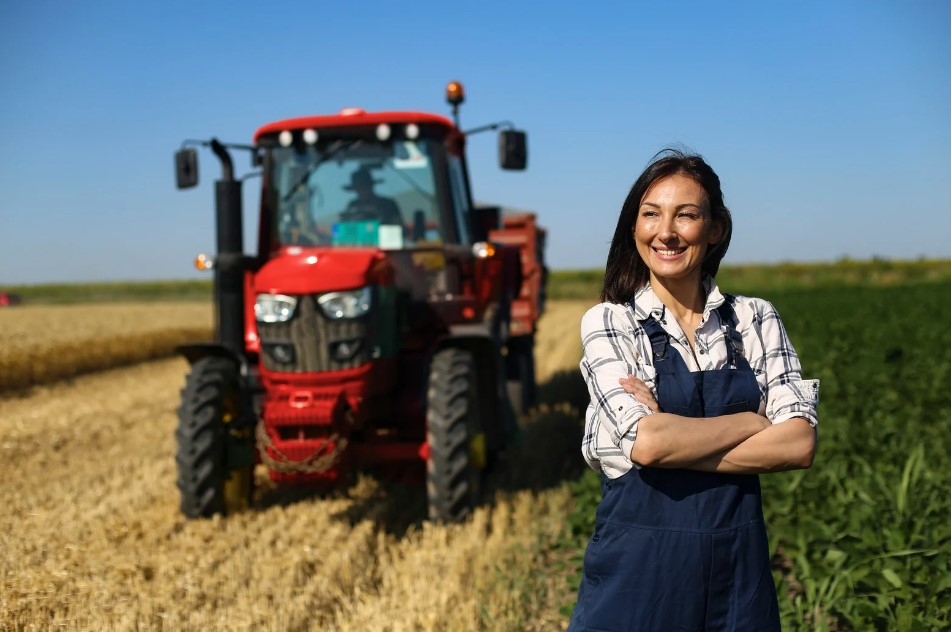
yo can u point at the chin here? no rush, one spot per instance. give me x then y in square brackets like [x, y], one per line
[675, 274]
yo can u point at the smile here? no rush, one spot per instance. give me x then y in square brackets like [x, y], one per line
[669, 252]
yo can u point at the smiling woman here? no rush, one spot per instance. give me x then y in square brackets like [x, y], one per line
[693, 394]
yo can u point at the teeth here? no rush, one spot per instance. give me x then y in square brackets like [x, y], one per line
[669, 253]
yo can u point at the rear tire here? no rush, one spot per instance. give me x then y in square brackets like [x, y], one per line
[210, 404]
[457, 452]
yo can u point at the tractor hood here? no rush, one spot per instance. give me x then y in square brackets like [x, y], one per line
[299, 271]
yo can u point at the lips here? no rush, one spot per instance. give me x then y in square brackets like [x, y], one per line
[669, 252]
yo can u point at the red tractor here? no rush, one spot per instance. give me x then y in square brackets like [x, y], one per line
[377, 326]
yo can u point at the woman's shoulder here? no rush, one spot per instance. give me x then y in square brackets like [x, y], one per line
[747, 302]
[750, 308]
[606, 315]
[607, 307]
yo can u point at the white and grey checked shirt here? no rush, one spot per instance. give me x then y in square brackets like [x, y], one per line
[616, 345]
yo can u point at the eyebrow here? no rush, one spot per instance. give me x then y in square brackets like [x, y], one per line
[678, 207]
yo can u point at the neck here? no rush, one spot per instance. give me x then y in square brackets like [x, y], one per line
[681, 296]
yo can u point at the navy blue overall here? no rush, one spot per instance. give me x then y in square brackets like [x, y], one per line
[676, 549]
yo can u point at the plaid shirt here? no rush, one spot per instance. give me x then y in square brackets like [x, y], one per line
[616, 345]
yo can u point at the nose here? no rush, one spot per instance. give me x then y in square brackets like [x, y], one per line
[667, 231]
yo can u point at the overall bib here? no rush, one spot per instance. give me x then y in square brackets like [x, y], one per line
[675, 549]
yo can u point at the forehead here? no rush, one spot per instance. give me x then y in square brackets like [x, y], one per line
[676, 189]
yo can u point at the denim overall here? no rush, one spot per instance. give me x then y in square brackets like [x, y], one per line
[676, 549]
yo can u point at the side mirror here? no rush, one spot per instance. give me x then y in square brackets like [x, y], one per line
[513, 153]
[186, 168]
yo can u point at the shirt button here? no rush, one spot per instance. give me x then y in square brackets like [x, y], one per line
[595, 537]
[702, 351]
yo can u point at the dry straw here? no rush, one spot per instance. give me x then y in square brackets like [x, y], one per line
[93, 539]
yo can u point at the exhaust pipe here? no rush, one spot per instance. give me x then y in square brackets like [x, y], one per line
[230, 261]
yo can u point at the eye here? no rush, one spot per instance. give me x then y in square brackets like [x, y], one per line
[648, 212]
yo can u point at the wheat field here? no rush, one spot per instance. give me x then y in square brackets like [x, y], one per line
[92, 538]
[42, 343]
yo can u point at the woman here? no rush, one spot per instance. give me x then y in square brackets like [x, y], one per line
[693, 393]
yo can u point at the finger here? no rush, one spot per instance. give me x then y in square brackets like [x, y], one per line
[648, 400]
[637, 389]
[645, 397]
[632, 379]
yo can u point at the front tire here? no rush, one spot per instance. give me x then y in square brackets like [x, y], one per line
[457, 450]
[210, 480]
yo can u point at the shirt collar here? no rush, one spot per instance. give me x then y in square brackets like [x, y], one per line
[647, 303]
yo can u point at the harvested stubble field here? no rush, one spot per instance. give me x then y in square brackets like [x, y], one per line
[92, 537]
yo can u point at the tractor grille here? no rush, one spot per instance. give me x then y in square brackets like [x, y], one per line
[314, 338]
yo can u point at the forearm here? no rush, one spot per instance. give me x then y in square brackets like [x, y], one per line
[667, 440]
[790, 445]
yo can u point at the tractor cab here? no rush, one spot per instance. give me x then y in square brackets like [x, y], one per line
[393, 180]
[350, 181]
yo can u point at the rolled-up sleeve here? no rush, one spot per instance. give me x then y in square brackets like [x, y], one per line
[610, 354]
[788, 395]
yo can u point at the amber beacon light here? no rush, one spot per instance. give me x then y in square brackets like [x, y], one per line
[455, 93]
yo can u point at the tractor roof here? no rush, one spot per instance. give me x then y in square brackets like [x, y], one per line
[355, 116]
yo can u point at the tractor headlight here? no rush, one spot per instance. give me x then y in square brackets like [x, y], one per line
[352, 304]
[274, 308]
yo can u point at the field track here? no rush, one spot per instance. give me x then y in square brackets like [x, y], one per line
[92, 537]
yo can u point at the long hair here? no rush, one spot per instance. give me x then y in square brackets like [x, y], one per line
[625, 271]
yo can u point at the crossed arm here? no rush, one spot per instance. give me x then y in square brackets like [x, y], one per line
[742, 443]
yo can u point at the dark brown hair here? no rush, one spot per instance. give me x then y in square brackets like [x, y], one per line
[625, 272]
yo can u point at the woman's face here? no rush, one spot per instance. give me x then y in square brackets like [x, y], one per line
[674, 228]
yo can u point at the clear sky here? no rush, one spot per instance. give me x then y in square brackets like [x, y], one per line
[829, 123]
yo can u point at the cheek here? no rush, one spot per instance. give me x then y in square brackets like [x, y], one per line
[641, 231]
[704, 235]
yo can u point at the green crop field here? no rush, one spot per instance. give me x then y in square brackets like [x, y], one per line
[862, 540]
[759, 279]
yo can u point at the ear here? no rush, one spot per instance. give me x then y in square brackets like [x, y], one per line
[717, 233]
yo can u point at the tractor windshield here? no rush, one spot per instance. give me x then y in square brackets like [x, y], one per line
[355, 193]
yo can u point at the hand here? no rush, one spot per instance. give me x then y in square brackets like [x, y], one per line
[640, 391]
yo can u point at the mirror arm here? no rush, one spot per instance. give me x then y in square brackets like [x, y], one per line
[490, 127]
[190, 142]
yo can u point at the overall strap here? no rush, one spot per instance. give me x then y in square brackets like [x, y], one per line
[734, 340]
[658, 337]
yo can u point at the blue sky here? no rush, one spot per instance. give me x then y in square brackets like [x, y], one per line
[829, 123]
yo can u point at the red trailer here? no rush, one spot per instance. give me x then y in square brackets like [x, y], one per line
[377, 323]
